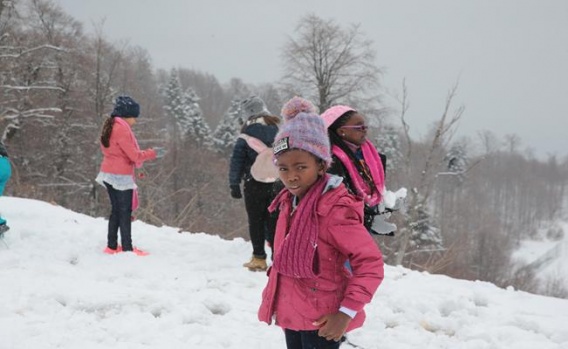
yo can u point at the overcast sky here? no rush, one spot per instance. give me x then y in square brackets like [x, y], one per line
[510, 56]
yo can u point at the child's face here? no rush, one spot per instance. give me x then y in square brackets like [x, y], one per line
[354, 130]
[130, 120]
[299, 170]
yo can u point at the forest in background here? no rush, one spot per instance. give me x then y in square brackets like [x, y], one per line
[470, 201]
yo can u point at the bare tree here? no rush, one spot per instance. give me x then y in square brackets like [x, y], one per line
[421, 173]
[512, 142]
[27, 72]
[330, 64]
[107, 59]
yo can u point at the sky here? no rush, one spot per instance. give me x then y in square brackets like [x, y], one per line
[59, 290]
[509, 58]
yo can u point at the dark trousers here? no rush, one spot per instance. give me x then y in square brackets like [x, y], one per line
[262, 223]
[308, 340]
[120, 217]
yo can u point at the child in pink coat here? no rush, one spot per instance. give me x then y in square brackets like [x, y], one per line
[310, 293]
[121, 155]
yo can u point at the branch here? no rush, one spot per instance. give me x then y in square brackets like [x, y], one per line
[10, 87]
[39, 112]
[406, 128]
[443, 128]
[87, 185]
[461, 172]
[31, 50]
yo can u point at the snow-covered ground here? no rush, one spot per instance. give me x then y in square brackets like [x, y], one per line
[58, 290]
[549, 256]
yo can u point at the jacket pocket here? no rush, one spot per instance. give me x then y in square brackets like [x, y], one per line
[315, 298]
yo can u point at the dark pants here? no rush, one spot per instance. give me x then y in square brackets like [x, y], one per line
[308, 340]
[120, 217]
[262, 223]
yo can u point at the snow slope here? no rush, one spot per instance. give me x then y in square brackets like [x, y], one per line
[58, 290]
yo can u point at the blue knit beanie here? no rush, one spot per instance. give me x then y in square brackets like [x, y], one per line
[125, 106]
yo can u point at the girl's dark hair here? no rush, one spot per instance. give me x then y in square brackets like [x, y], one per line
[106, 131]
[335, 139]
[271, 119]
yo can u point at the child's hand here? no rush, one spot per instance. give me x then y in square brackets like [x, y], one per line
[333, 326]
[160, 152]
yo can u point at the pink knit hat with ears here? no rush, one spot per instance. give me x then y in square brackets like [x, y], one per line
[296, 105]
[304, 131]
[331, 114]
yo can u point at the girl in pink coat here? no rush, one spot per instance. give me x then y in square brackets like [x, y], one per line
[310, 293]
[121, 155]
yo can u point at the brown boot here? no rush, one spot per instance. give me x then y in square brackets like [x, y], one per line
[256, 264]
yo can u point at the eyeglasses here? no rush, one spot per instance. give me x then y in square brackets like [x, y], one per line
[360, 128]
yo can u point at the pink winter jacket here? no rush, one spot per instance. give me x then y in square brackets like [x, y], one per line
[123, 154]
[296, 303]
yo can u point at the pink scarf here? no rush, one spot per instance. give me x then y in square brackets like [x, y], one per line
[297, 256]
[135, 199]
[373, 161]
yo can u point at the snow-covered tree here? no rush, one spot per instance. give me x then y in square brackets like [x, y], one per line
[28, 68]
[388, 143]
[176, 107]
[425, 234]
[182, 106]
[227, 131]
[197, 128]
[457, 161]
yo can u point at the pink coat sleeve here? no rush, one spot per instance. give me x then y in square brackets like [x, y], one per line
[353, 240]
[127, 144]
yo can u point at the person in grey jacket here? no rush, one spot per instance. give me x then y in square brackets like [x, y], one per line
[260, 124]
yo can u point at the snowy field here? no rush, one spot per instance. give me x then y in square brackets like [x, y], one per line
[58, 290]
[550, 255]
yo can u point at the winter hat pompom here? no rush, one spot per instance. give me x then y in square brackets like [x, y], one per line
[125, 106]
[305, 131]
[296, 105]
[253, 106]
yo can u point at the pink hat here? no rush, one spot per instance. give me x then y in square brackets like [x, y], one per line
[331, 114]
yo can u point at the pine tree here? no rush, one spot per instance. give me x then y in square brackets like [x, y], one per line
[176, 107]
[424, 233]
[197, 128]
[457, 161]
[388, 143]
[227, 131]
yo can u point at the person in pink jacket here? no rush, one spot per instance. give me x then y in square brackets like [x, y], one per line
[310, 293]
[121, 155]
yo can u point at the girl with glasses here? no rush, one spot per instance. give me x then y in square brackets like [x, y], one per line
[355, 158]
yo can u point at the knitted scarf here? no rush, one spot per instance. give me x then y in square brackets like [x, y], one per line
[135, 198]
[297, 255]
[373, 161]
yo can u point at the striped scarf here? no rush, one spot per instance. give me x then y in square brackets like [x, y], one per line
[297, 255]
